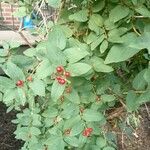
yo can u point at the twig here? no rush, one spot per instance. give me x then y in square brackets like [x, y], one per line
[115, 113]
[139, 34]
[122, 140]
[134, 29]
[118, 97]
[59, 11]
[44, 20]
[140, 17]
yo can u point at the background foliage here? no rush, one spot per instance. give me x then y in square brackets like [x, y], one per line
[104, 45]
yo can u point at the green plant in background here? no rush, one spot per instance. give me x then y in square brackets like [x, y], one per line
[96, 58]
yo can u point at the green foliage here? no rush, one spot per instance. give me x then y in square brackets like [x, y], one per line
[96, 57]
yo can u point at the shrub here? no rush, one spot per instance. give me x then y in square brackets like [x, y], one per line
[96, 58]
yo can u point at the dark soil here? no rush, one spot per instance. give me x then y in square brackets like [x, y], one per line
[7, 138]
[140, 140]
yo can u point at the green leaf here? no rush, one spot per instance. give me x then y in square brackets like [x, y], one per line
[73, 97]
[120, 53]
[147, 75]
[118, 13]
[44, 70]
[131, 101]
[80, 16]
[141, 42]
[69, 123]
[57, 90]
[21, 95]
[57, 38]
[99, 66]
[97, 42]
[77, 128]
[22, 61]
[6, 83]
[54, 3]
[22, 133]
[30, 52]
[98, 6]
[14, 72]
[9, 95]
[108, 148]
[35, 131]
[14, 44]
[75, 54]
[143, 11]
[55, 142]
[103, 46]
[91, 38]
[38, 87]
[145, 97]
[101, 142]
[139, 82]
[95, 22]
[69, 110]
[108, 98]
[50, 112]
[92, 115]
[55, 55]
[73, 141]
[3, 52]
[78, 69]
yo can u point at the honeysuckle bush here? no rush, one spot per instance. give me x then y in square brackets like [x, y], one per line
[95, 59]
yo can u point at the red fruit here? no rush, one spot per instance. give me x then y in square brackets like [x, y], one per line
[59, 78]
[87, 132]
[67, 74]
[90, 129]
[29, 78]
[59, 69]
[19, 83]
[62, 81]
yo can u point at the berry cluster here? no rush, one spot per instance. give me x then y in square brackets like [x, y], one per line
[62, 75]
[87, 132]
[20, 83]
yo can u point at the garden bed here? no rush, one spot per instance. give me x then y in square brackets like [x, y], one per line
[141, 142]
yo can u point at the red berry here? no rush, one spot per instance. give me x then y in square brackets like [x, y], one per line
[87, 132]
[29, 78]
[67, 74]
[59, 69]
[20, 83]
[90, 129]
[59, 78]
[62, 81]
